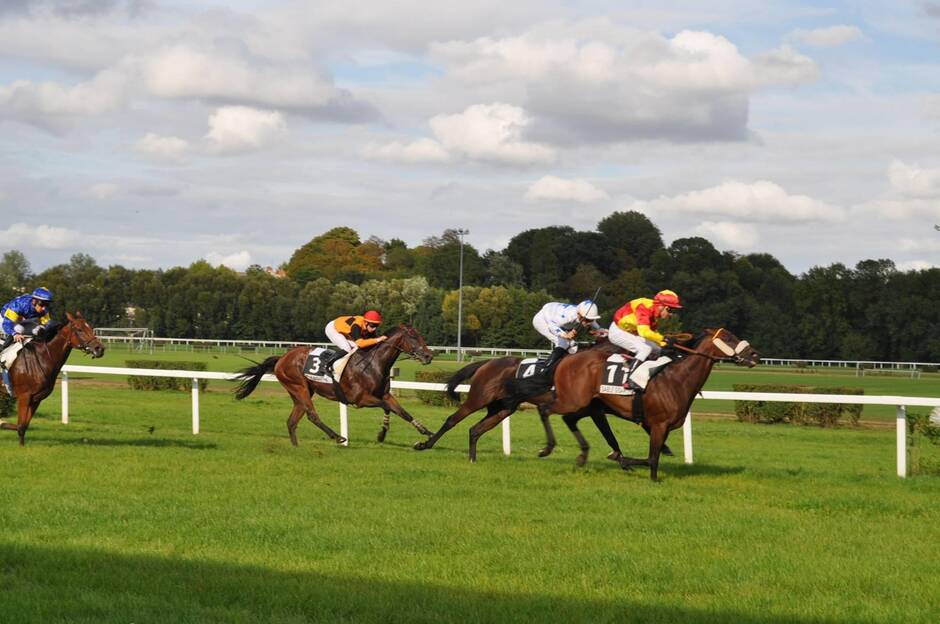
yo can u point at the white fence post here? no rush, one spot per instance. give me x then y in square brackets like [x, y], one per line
[507, 444]
[65, 398]
[195, 406]
[687, 438]
[902, 440]
[344, 422]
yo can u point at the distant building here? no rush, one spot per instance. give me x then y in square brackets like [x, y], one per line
[278, 273]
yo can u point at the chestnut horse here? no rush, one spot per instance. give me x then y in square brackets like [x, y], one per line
[666, 400]
[35, 370]
[488, 389]
[365, 382]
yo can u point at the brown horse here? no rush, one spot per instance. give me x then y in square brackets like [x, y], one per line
[34, 372]
[488, 389]
[365, 382]
[666, 400]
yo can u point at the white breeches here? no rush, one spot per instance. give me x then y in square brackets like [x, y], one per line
[640, 347]
[338, 339]
[542, 327]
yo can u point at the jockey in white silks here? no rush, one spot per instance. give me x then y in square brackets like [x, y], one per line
[559, 322]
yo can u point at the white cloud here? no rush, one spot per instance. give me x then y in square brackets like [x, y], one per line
[738, 236]
[552, 188]
[234, 129]
[612, 83]
[916, 265]
[164, 148]
[237, 261]
[913, 180]
[183, 71]
[826, 37]
[905, 208]
[53, 105]
[920, 245]
[760, 201]
[490, 132]
[419, 151]
[103, 190]
[41, 237]
[784, 66]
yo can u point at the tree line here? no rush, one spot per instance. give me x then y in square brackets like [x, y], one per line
[869, 312]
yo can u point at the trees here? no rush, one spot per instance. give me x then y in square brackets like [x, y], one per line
[336, 255]
[438, 260]
[630, 238]
[15, 274]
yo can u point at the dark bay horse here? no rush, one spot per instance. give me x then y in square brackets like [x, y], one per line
[365, 382]
[35, 370]
[665, 401]
[488, 389]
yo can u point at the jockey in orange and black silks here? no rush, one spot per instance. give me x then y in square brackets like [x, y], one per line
[355, 332]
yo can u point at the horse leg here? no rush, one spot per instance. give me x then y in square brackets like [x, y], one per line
[657, 440]
[603, 425]
[494, 416]
[572, 421]
[550, 441]
[462, 412]
[24, 414]
[386, 423]
[390, 404]
[302, 399]
[666, 450]
[295, 415]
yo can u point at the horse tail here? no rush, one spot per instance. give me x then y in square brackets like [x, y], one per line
[464, 373]
[250, 377]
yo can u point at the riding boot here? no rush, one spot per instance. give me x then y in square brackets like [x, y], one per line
[553, 358]
[6, 380]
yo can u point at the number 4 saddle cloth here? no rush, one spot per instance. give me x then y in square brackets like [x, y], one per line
[617, 368]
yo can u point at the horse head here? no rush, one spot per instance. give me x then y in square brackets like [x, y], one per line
[409, 341]
[82, 336]
[723, 345]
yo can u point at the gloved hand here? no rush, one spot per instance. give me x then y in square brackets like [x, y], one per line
[570, 334]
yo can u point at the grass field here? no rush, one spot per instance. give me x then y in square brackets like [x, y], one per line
[106, 521]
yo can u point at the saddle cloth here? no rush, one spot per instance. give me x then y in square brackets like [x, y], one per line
[616, 369]
[9, 354]
[316, 367]
[530, 367]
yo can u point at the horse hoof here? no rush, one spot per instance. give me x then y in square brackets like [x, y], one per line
[666, 451]
[580, 461]
[341, 440]
[421, 445]
[614, 456]
[545, 452]
[381, 436]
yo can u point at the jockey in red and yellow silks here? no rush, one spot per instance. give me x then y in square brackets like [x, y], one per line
[634, 326]
[355, 332]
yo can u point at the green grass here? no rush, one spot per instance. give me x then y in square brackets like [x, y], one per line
[107, 522]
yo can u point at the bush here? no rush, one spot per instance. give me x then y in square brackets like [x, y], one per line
[434, 397]
[7, 405]
[165, 383]
[822, 414]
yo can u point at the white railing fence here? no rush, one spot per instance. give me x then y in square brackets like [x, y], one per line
[901, 403]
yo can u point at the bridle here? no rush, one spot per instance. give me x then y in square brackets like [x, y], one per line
[413, 354]
[731, 354]
[83, 345]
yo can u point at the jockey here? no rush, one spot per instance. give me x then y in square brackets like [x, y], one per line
[24, 315]
[634, 326]
[355, 332]
[559, 322]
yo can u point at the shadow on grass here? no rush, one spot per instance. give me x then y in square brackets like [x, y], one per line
[682, 471]
[151, 442]
[53, 585]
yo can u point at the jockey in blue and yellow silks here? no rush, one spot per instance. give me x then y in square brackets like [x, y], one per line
[23, 316]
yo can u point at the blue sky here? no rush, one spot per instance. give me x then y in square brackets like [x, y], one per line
[153, 133]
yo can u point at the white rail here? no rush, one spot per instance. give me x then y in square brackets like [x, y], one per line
[900, 402]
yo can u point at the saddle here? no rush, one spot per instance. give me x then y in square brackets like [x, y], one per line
[617, 378]
[9, 354]
[531, 367]
[319, 365]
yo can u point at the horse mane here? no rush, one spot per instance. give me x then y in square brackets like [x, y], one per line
[52, 330]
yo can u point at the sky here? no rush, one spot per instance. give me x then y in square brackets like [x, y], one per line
[155, 133]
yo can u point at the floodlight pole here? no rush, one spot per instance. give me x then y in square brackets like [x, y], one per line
[460, 234]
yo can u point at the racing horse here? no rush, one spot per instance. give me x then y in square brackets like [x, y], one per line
[488, 389]
[364, 383]
[665, 402]
[35, 370]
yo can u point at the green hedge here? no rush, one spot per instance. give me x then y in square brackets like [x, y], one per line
[434, 397]
[822, 414]
[165, 383]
